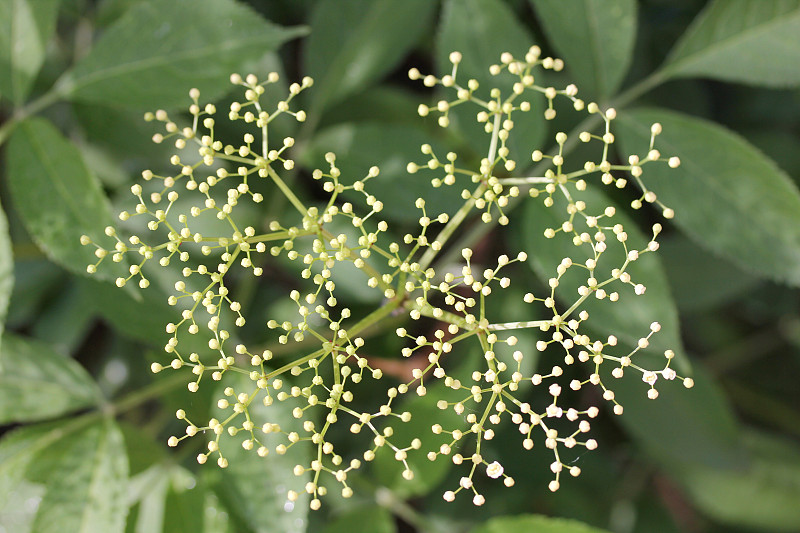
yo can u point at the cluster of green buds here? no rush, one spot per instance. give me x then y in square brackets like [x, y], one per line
[323, 358]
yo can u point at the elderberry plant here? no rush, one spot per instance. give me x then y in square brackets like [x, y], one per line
[320, 384]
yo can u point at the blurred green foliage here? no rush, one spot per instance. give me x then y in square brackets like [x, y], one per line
[85, 421]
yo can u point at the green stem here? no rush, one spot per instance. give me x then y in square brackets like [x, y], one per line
[366, 269]
[452, 225]
[519, 325]
[46, 100]
[574, 306]
[397, 506]
[366, 322]
[277, 236]
[455, 222]
[287, 192]
[127, 403]
[650, 82]
[145, 394]
[446, 316]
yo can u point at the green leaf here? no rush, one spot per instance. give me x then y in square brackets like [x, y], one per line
[147, 494]
[6, 270]
[630, 318]
[427, 474]
[482, 30]
[254, 488]
[78, 472]
[351, 283]
[763, 496]
[379, 519]
[169, 499]
[355, 42]
[18, 449]
[56, 196]
[86, 477]
[595, 39]
[25, 29]
[379, 104]
[780, 145]
[100, 162]
[66, 320]
[36, 383]
[35, 281]
[696, 287]
[123, 133]
[391, 147]
[693, 427]
[748, 41]
[142, 318]
[185, 503]
[217, 518]
[539, 524]
[727, 195]
[670, 427]
[157, 51]
[109, 11]
[143, 451]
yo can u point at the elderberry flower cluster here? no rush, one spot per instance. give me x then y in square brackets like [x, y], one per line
[323, 355]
